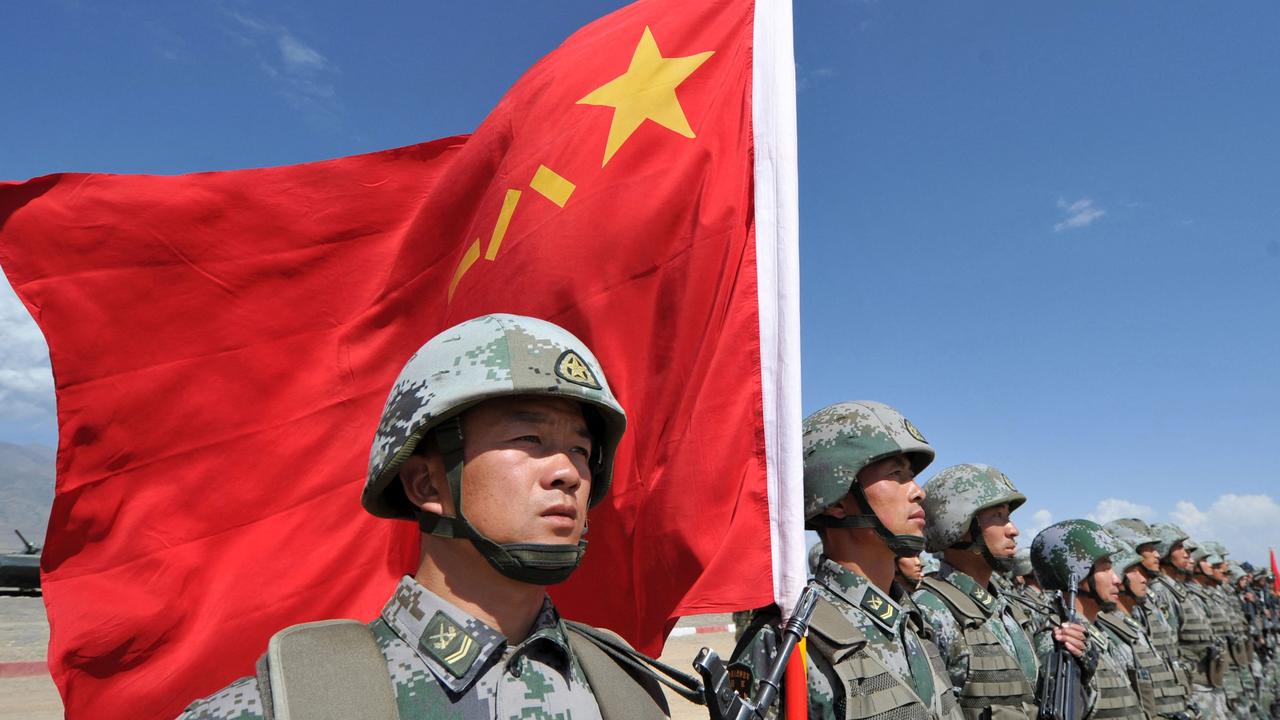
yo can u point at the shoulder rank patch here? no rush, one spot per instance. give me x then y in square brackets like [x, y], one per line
[914, 431]
[450, 644]
[880, 608]
[983, 597]
[1132, 623]
[1099, 637]
[571, 367]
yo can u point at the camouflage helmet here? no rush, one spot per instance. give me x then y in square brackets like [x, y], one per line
[1022, 563]
[955, 496]
[1124, 558]
[1235, 572]
[815, 557]
[483, 358]
[1217, 552]
[841, 440]
[1064, 553]
[1132, 531]
[1168, 536]
[1198, 551]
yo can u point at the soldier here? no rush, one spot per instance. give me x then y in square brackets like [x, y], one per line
[868, 656]
[1074, 555]
[909, 572]
[497, 437]
[1151, 674]
[1157, 626]
[990, 658]
[1210, 562]
[1198, 649]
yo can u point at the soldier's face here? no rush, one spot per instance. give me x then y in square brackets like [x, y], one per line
[1137, 581]
[891, 488]
[1105, 582]
[1179, 557]
[998, 531]
[911, 568]
[1150, 556]
[526, 476]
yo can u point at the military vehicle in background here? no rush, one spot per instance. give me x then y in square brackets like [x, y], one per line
[20, 572]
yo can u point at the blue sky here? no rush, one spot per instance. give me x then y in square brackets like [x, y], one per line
[1050, 234]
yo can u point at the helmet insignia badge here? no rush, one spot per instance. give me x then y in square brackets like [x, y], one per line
[571, 367]
[913, 430]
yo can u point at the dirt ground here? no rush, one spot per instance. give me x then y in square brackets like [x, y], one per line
[24, 637]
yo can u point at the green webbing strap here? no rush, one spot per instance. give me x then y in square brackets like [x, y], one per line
[615, 648]
[327, 670]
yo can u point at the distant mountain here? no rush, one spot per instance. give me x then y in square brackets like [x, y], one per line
[26, 492]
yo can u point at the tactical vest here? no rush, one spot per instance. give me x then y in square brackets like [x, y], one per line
[995, 680]
[870, 690]
[1116, 699]
[1029, 613]
[1220, 621]
[1154, 681]
[334, 670]
[1195, 639]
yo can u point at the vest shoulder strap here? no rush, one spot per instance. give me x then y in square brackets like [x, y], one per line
[965, 609]
[327, 670]
[622, 689]
[1116, 624]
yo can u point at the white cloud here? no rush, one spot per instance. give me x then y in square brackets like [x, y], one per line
[1080, 213]
[1244, 523]
[1115, 508]
[26, 381]
[300, 71]
[1040, 520]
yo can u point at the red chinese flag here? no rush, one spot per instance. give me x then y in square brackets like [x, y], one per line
[222, 345]
[1275, 572]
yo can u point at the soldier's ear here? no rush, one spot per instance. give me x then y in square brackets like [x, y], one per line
[838, 509]
[425, 489]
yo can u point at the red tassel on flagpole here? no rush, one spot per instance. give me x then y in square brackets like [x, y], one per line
[795, 685]
[1275, 572]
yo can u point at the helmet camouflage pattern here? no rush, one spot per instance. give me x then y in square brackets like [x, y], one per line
[1169, 535]
[483, 358]
[1217, 551]
[1199, 551]
[1067, 550]
[954, 496]
[842, 439]
[1235, 571]
[929, 563]
[1126, 557]
[1132, 531]
[1022, 563]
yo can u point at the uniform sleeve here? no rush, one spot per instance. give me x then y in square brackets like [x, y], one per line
[946, 635]
[240, 700]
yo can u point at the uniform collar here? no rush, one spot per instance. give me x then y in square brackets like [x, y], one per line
[457, 647]
[881, 607]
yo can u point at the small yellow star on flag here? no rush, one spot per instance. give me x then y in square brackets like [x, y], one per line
[646, 91]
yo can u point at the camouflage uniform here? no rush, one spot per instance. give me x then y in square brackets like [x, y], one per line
[869, 654]
[441, 661]
[1066, 555]
[1034, 602]
[990, 658]
[447, 665]
[893, 641]
[1198, 650]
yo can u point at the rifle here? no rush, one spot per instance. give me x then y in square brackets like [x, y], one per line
[725, 704]
[1060, 691]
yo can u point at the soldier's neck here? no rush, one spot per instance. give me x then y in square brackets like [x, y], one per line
[971, 564]
[455, 570]
[863, 552]
[1172, 572]
[1128, 603]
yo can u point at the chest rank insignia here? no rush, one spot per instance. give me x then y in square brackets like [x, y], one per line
[984, 598]
[571, 367]
[451, 645]
[1132, 623]
[879, 608]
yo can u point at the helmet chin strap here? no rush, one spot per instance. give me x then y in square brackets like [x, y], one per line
[1091, 590]
[978, 546]
[534, 563]
[900, 545]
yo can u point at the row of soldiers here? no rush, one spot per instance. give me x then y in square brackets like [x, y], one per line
[1156, 623]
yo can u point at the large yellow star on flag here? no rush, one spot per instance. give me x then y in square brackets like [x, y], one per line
[646, 91]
